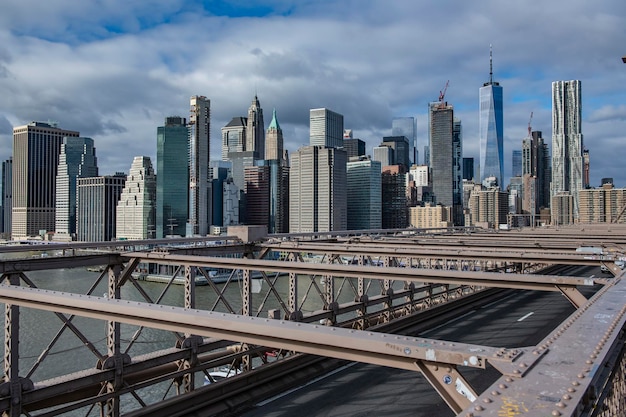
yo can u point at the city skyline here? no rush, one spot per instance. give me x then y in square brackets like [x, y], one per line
[115, 74]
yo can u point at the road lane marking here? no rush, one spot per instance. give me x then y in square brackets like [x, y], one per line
[526, 316]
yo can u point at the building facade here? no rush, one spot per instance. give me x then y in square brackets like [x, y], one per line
[317, 190]
[199, 214]
[394, 200]
[602, 205]
[96, 204]
[234, 136]
[491, 130]
[255, 129]
[401, 150]
[325, 128]
[567, 140]
[136, 209]
[430, 216]
[441, 137]
[7, 197]
[405, 126]
[364, 204]
[77, 160]
[536, 165]
[489, 208]
[173, 178]
[36, 150]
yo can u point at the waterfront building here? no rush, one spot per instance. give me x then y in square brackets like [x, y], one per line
[7, 196]
[405, 126]
[317, 190]
[364, 199]
[468, 169]
[325, 128]
[394, 201]
[489, 208]
[602, 205]
[199, 208]
[255, 129]
[173, 177]
[76, 160]
[430, 216]
[567, 141]
[96, 203]
[491, 130]
[234, 136]
[136, 209]
[36, 150]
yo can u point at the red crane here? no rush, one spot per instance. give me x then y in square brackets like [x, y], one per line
[442, 94]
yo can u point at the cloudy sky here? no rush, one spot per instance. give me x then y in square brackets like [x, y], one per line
[114, 69]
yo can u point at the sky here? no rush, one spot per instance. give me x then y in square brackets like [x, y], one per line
[114, 69]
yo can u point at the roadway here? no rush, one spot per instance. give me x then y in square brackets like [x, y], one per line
[522, 318]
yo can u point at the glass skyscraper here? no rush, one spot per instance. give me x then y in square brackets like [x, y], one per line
[326, 128]
[491, 131]
[172, 177]
[199, 150]
[364, 194]
[441, 127]
[405, 126]
[77, 160]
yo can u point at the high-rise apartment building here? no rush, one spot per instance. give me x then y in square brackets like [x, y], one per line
[567, 140]
[255, 130]
[488, 208]
[326, 128]
[173, 177]
[36, 150]
[317, 190]
[96, 201]
[199, 211]
[602, 205]
[77, 160]
[364, 202]
[441, 132]
[135, 217]
[491, 130]
[7, 196]
[430, 216]
[536, 166]
[405, 126]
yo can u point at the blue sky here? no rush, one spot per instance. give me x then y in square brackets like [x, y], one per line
[115, 69]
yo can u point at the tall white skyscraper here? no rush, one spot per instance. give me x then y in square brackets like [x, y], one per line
[199, 155]
[326, 128]
[76, 160]
[137, 206]
[567, 140]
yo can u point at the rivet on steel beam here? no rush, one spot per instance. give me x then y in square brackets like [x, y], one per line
[487, 400]
[575, 383]
[570, 389]
[494, 392]
[580, 376]
[508, 379]
[469, 415]
[566, 397]
[555, 413]
[523, 365]
[479, 408]
[560, 404]
[588, 361]
[517, 372]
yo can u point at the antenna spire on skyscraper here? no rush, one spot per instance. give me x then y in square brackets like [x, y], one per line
[490, 65]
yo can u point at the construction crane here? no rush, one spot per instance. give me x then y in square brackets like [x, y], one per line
[529, 128]
[442, 95]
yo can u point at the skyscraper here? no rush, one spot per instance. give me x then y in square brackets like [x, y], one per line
[36, 149]
[516, 163]
[317, 190]
[468, 169]
[96, 201]
[199, 151]
[536, 165]
[326, 128]
[401, 150]
[441, 124]
[255, 131]
[491, 131]
[173, 177]
[234, 136]
[77, 160]
[405, 126]
[274, 146]
[394, 205]
[567, 140]
[457, 172]
[137, 205]
[364, 200]
[7, 196]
